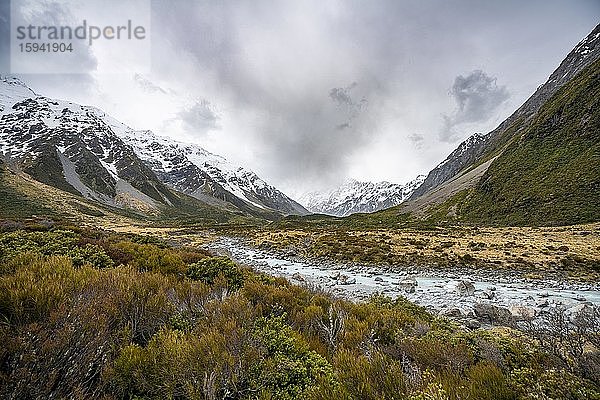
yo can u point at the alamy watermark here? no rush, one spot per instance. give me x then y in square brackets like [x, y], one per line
[70, 36]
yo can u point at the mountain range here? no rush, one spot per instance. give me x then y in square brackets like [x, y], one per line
[84, 151]
[540, 166]
[359, 197]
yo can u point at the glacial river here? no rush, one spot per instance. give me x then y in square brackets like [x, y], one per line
[436, 291]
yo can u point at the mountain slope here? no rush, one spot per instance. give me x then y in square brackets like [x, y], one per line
[67, 146]
[359, 197]
[551, 173]
[201, 174]
[84, 151]
[479, 148]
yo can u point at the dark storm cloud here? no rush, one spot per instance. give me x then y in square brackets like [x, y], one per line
[477, 97]
[199, 118]
[342, 95]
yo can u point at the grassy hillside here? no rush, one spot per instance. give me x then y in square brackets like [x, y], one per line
[550, 174]
[98, 315]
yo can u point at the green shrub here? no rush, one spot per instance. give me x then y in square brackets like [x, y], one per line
[57, 242]
[150, 257]
[290, 369]
[90, 254]
[533, 384]
[209, 269]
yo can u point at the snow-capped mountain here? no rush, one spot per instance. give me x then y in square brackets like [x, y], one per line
[193, 170]
[68, 146]
[466, 152]
[359, 197]
[83, 150]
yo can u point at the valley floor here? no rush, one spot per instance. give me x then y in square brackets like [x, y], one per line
[147, 312]
[446, 291]
[459, 272]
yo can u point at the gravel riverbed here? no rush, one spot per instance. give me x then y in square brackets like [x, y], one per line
[462, 293]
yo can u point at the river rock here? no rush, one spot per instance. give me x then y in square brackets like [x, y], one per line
[462, 287]
[492, 314]
[472, 324]
[581, 309]
[452, 313]
[521, 313]
[298, 277]
[378, 279]
[408, 285]
[541, 303]
[346, 280]
[488, 294]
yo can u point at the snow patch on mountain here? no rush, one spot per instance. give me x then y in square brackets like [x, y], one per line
[187, 167]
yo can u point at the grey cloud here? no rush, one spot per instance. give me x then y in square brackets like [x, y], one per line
[53, 13]
[147, 85]
[316, 139]
[199, 118]
[341, 96]
[416, 139]
[271, 67]
[4, 36]
[58, 85]
[477, 97]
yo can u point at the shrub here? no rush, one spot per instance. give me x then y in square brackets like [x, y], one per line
[150, 257]
[209, 269]
[90, 254]
[290, 369]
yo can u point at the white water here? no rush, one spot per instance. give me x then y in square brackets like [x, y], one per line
[432, 291]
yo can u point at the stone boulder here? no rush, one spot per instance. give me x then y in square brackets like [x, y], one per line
[462, 287]
[521, 313]
[346, 280]
[492, 314]
[298, 277]
[452, 313]
[409, 285]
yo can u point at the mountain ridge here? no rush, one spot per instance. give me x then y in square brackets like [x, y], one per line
[359, 197]
[479, 147]
[83, 150]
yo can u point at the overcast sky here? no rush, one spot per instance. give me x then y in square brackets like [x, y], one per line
[310, 93]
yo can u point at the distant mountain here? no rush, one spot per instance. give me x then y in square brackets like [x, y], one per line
[84, 151]
[540, 166]
[359, 197]
[465, 154]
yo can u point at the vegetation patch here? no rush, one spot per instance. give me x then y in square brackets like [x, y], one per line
[161, 322]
